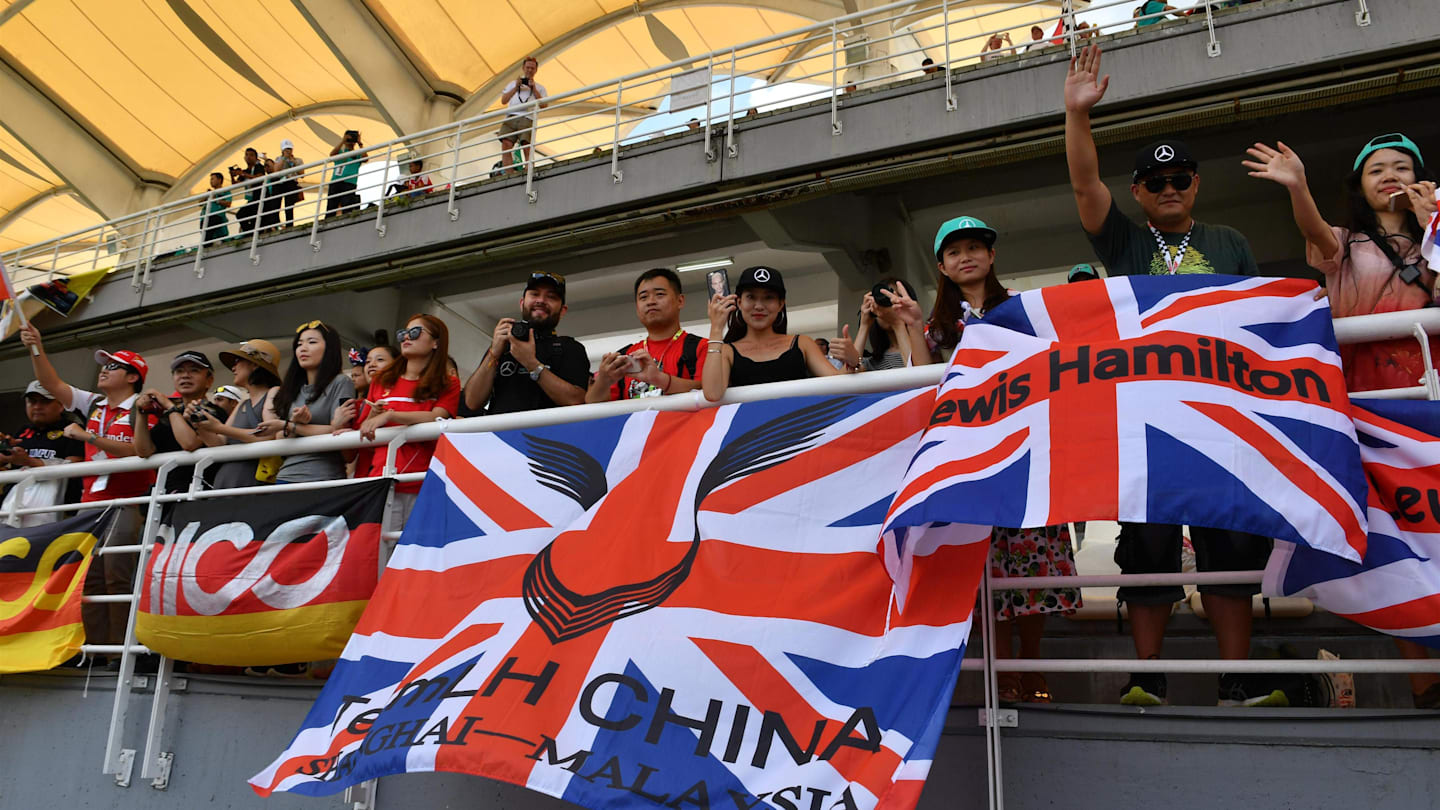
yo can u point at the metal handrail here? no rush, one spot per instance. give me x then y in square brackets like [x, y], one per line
[175, 225]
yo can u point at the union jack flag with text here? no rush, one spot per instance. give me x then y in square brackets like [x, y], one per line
[1396, 588]
[1203, 400]
[661, 609]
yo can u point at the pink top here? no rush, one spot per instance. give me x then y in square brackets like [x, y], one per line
[1367, 282]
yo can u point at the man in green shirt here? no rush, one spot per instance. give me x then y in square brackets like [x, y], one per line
[216, 204]
[341, 194]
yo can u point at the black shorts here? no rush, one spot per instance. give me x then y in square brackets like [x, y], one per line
[1154, 548]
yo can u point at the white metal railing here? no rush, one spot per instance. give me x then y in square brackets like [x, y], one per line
[118, 760]
[825, 61]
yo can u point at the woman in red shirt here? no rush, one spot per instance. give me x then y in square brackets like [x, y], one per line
[416, 388]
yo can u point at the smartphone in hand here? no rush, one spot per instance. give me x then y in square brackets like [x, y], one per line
[1400, 201]
[718, 283]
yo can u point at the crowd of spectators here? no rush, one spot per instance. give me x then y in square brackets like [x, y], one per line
[1370, 261]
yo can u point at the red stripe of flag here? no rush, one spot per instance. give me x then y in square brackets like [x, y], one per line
[1084, 431]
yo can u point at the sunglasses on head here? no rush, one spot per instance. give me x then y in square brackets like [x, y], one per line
[545, 276]
[311, 325]
[413, 333]
[1156, 183]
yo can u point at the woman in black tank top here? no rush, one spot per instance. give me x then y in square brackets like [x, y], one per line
[755, 348]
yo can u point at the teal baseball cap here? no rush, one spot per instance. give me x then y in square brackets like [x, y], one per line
[1080, 271]
[1394, 140]
[962, 227]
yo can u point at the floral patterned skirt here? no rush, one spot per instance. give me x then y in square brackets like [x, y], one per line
[1043, 552]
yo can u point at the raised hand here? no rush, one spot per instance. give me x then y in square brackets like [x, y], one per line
[1278, 164]
[1084, 86]
[843, 348]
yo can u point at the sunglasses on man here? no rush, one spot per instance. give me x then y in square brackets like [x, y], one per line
[112, 366]
[1156, 183]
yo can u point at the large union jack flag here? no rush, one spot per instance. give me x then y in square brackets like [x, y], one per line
[664, 609]
[1396, 588]
[1203, 400]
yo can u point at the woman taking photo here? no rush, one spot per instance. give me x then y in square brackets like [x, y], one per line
[314, 387]
[254, 364]
[968, 289]
[1372, 260]
[418, 388]
[755, 348]
[890, 327]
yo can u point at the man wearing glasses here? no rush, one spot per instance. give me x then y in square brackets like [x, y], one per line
[528, 366]
[109, 432]
[1165, 182]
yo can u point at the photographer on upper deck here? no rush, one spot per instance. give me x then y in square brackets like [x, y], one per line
[523, 100]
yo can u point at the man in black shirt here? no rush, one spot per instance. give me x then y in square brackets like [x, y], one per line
[40, 442]
[528, 366]
[193, 375]
[246, 214]
[1165, 182]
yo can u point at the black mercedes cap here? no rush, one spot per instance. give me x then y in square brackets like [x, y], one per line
[761, 276]
[191, 356]
[1170, 153]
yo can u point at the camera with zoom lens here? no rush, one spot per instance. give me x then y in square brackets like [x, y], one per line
[520, 330]
[352, 136]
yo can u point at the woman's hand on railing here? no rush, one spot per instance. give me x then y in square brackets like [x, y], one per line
[300, 414]
[344, 415]
[269, 428]
[375, 422]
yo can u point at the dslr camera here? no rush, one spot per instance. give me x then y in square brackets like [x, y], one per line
[881, 294]
[520, 330]
[352, 136]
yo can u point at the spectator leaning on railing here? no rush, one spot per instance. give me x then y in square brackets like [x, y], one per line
[314, 387]
[1372, 261]
[748, 344]
[40, 442]
[110, 416]
[1165, 182]
[193, 375]
[288, 189]
[217, 202]
[528, 366]
[418, 389]
[668, 360]
[255, 366]
[523, 100]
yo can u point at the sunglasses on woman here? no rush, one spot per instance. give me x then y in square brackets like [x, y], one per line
[413, 333]
[1156, 183]
[311, 325]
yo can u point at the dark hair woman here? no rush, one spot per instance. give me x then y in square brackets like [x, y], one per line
[255, 366]
[313, 388]
[891, 327]
[1372, 262]
[755, 348]
[968, 286]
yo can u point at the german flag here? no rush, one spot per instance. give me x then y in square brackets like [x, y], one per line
[42, 571]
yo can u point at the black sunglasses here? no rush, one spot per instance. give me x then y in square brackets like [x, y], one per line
[1156, 183]
[413, 333]
[118, 367]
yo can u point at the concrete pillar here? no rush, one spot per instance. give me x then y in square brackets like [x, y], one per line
[440, 109]
[876, 49]
[135, 237]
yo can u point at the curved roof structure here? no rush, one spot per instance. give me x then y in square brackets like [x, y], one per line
[107, 108]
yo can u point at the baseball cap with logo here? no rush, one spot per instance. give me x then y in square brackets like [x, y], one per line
[36, 389]
[287, 144]
[767, 278]
[1082, 272]
[124, 357]
[1170, 153]
[545, 277]
[1394, 140]
[191, 356]
[960, 228]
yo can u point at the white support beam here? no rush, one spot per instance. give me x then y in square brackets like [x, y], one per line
[383, 71]
[96, 174]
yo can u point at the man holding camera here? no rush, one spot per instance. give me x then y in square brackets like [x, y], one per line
[523, 100]
[110, 419]
[177, 416]
[668, 361]
[216, 203]
[246, 214]
[528, 366]
[345, 174]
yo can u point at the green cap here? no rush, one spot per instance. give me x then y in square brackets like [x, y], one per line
[1394, 140]
[1081, 269]
[963, 226]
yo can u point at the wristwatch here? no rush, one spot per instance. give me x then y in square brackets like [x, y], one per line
[535, 375]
